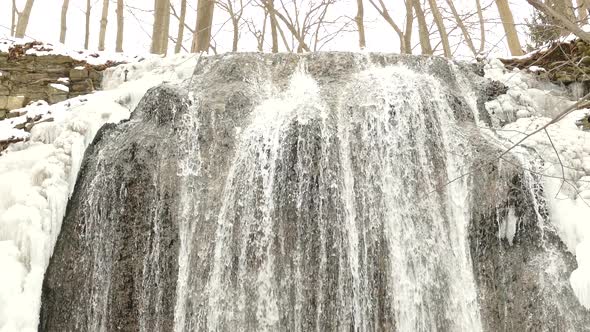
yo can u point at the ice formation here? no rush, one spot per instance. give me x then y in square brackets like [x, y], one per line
[563, 153]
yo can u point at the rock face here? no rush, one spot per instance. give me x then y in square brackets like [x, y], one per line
[329, 191]
[52, 78]
[137, 235]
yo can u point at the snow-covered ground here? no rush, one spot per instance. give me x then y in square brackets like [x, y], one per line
[38, 175]
[563, 152]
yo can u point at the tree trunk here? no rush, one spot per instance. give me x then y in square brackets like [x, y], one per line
[236, 37]
[13, 21]
[202, 35]
[120, 23]
[509, 27]
[440, 24]
[462, 26]
[161, 26]
[360, 25]
[64, 25]
[582, 11]
[87, 32]
[262, 33]
[103, 24]
[23, 20]
[235, 17]
[296, 33]
[564, 8]
[423, 29]
[482, 31]
[166, 32]
[180, 35]
[273, 27]
[382, 10]
[409, 24]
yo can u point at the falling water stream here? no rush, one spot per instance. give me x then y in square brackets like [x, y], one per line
[321, 193]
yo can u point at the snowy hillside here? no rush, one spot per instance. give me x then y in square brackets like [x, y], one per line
[38, 175]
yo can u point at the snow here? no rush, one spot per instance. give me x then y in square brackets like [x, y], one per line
[38, 175]
[7, 126]
[568, 201]
[536, 69]
[93, 58]
[60, 87]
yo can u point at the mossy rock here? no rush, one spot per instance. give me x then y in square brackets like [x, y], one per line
[584, 123]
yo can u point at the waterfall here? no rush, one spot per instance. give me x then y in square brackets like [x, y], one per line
[294, 193]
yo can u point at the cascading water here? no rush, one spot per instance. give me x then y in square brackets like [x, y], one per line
[296, 193]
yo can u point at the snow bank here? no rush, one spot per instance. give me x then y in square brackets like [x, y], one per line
[563, 144]
[93, 58]
[38, 175]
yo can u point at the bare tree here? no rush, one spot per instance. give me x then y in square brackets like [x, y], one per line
[235, 14]
[309, 24]
[181, 23]
[14, 14]
[360, 25]
[482, 31]
[560, 19]
[87, 31]
[382, 10]
[509, 27]
[292, 24]
[103, 24]
[23, 19]
[258, 34]
[64, 25]
[202, 35]
[423, 29]
[273, 26]
[161, 26]
[583, 7]
[409, 25]
[442, 30]
[462, 26]
[120, 26]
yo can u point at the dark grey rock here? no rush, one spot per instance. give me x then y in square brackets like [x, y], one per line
[115, 263]
[353, 198]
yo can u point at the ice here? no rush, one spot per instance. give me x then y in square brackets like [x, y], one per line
[508, 227]
[567, 188]
[579, 278]
[38, 175]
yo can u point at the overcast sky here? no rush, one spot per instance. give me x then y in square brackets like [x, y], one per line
[45, 24]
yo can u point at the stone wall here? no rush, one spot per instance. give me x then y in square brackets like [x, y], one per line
[52, 78]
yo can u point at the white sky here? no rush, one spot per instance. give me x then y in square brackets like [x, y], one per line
[44, 24]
